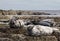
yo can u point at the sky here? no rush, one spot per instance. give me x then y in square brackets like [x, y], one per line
[30, 4]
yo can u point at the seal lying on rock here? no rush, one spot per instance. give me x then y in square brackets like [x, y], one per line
[37, 30]
[14, 23]
[47, 22]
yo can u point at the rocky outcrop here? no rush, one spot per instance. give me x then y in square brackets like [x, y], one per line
[21, 12]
